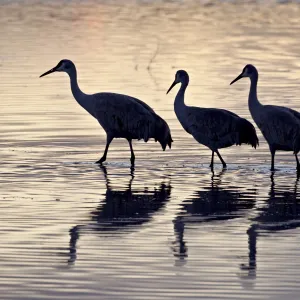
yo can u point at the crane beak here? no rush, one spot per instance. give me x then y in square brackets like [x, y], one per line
[49, 72]
[173, 84]
[238, 78]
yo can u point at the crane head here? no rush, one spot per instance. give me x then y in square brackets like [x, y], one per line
[248, 71]
[64, 65]
[181, 76]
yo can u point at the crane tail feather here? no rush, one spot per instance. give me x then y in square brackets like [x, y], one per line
[247, 134]
[162, 133]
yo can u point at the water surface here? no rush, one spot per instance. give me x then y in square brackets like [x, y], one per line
[170, 229]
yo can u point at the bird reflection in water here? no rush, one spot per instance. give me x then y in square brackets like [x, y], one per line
[121, 209]
[280, 212]
[210, 204]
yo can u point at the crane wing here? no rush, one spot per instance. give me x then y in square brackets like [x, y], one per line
[282, 110]
[280, 125]
[293, 112]
[210, 122]
[123, 116]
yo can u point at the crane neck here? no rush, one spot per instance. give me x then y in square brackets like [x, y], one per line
[179, 100]
[84, 100]
[253, 102]
[76, 91]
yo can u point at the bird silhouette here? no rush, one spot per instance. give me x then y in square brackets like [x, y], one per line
[280, 212]
[211, 204]
[121, 116]
[212, 127]
[279, 125]
[121, 209]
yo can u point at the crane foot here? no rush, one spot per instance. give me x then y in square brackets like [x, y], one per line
[101, 160]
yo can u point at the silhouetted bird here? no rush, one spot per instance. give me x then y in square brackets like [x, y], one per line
[122, 209]
[212, 127]
[279, 125]
[210, 204]
[121, 116]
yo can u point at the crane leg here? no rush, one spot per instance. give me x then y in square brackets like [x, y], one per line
[298, 164]
[212, 160]
[221, 159]
[132, 158]
[272, 160]
[103, 158]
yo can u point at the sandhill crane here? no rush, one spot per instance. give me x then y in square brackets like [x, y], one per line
[279, 125]
[121, 116]
[212, 127]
